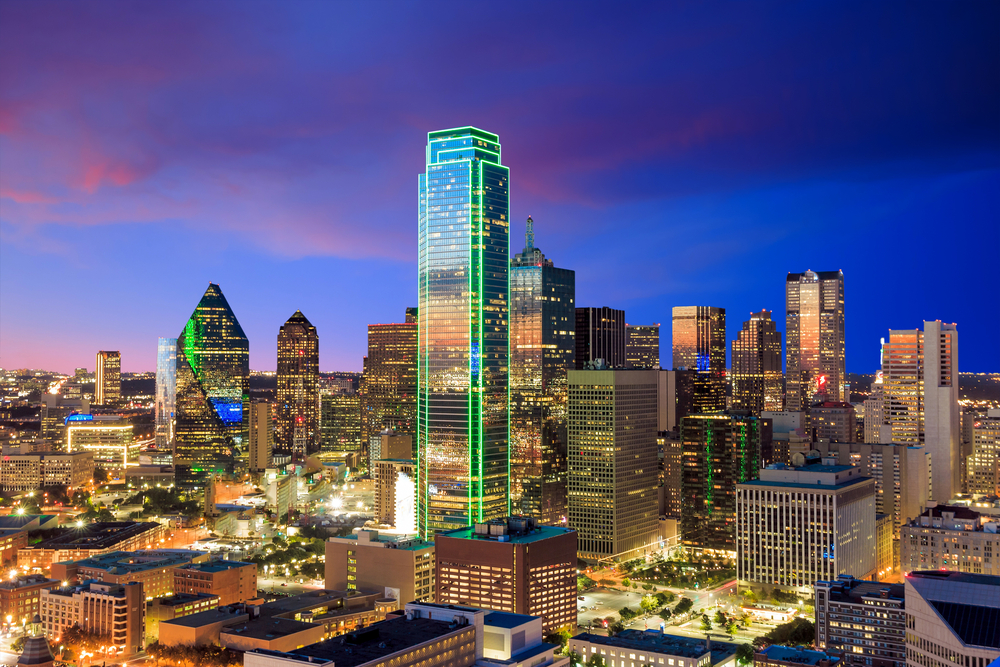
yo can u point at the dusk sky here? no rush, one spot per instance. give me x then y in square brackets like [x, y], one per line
[671, 154]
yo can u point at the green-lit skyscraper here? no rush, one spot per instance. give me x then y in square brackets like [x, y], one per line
[462, 347]
[213, 373]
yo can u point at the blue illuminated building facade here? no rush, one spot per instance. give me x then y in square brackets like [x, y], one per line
[213, 374]
[462, 360]
[166, 391]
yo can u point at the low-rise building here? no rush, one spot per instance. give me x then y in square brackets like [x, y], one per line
[175, 606]
[954, 538]
[653, 648]
[863, 619]
[12, 540]
[92, 540]
[275, 634]
[115, 611]
[154, 569]
[19, 596]
[512, 565]
[202, 627]
[26, 472]
[232, 581]
[952, 619]
[403, 568]
[787, 656]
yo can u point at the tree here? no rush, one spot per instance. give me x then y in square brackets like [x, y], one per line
[596, 661]
[616, 628]
[747, 620]
[626, 582]
[795, 632]
[749, 595]
[574, 659]
[683, 606]
[731, 627]
[647, 587]
[100, 475]
[744, 654]
[561, 638]
[720, 618]
[706, 624]
[648, 604]
[665, 614]
[626, 614]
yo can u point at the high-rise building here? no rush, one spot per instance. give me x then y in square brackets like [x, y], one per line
[462, 394]
[950, 538]
[952, 619]
[642, 346]
[699, 345]
[675, 396]
[213, 392]
[261, 436]
[600, 334]
[613, 466]
[341, 422]
[542, 348]
[166, 392]
[719, 451]
[512, 565]
[298, 387]
[795, 526]
[671, 461]
[864, 619]
[814, 338]
[984, 462]
[756, 365]
[108, 379]
[389, 383]
[920, 385]
[834, 421]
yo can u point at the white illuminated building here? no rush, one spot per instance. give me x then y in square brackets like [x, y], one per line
[406, 509]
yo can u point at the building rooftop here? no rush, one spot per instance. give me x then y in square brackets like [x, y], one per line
[847, 588]
[652, 640]
[797, 655]
[956, 577]
[22, 520]
[231, 612]
[25, 581]
[268, 628]
[960, 512]
[798, 485]
[100, 535]
[315, 599]
[216, 566]
[506, 620]
[126, 562]
[379, 640]
[975, 624]
[514, 530]
[386, 541]
[182, 598]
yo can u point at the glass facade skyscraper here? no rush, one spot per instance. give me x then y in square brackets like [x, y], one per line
[600, 334]
[542, 349]
[814, 338]
[642, 346]
[462, 391]
[699, 345]
[389, 383]
[298, 387]
[166, 391]
[213, 388]
[756, 365]
[108, 378]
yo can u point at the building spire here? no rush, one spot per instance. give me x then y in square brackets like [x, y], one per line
[529, 234]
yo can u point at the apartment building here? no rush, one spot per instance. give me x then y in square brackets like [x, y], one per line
[19, 596]
[112, 610]
[232, 581]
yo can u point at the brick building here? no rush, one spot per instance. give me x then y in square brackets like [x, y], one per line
[232, 581]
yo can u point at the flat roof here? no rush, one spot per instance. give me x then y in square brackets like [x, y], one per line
[819, 487]
[268, 628]
[958, 577]
[312, 599]
[21, 520]
[403, 544]
[231, 612]
[216, 566]
[118, 562]
[652, 640]
[100, 535]
[26, 581]
[798, 656]
[182, 598]
[503, 619]
[535, 535]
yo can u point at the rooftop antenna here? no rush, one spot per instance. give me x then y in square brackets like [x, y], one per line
[529, 234]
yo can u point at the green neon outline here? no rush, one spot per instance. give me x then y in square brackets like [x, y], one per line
[470, 396]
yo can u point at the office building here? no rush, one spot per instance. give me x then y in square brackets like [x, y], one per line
[261, 434]
[154, 569]
[983, 467]
[951, 538]
[671, 461]
[166, 392]
[389, 445]
[674, 397]
[864, 619]
[613, 464]
[952, 619]
[402, 568]
[776, 655]
[795, 526]
[213, 392]
[902, 476]
[27, 472]
[642, 346]
[298, 387]
[875, 420]
[389, 382]
[653, 649]
[395, 493]
[462, 395]
[885, 552]
[232, 581]
[115, 611]
[175, 606]
[108, 379]
[513, 565]
[920, 382]
[542, 349]
[109, 438]
[92, 539]
[340, 424]
[600, 334]
[814, 339]
[719, 451]
[756, 365]
[833, 421]
[56, 408]
[19, 596]
[699, 345]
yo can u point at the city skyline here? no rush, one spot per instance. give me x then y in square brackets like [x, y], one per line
[704, 179]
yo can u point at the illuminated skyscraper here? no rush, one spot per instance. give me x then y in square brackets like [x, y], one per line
[642, 346]
[920, 389]
[341, 422]
[389, 383]
[600, 334]
[108, 379]
[166, 391]
[542, 347]
[699, 342]
[756, 365]
[213, 388]
[814, 338]
[298, 387]
[462, 394]
[261, 436]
